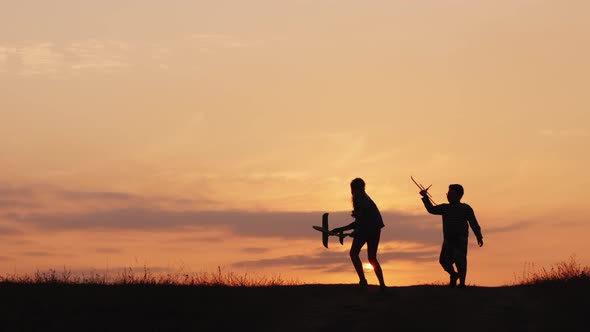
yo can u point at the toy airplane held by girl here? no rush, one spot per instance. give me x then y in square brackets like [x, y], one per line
[326, 233]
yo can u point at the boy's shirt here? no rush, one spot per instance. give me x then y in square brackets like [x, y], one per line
[367, 216]
[456, 219]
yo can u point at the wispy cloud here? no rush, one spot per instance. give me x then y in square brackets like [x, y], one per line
[101, 195]
[511, 227]
[46, 58]
[115, 211]
[15, 203]
[4, 53]
[288, 225]
[36, 253]
[34, 58]
[159, 52]
[332, 261]
[194, 239]
[28, 198]
[565, 133]
[109, 250]
[9, 230]
[256, 250]
[209, 42]
[107, 211]
[14, 191]
[97, 54]
[320, 261]
[40, 59]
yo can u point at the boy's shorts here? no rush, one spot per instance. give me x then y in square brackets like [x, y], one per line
[454, 250]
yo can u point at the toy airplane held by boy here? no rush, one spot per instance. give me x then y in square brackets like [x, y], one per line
[424, 189]
[326, 233]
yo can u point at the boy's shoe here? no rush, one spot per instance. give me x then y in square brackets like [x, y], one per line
[453, 280]
[462, 282]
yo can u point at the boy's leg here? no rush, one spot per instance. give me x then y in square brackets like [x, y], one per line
[460, 257]
[446, 261]
[355, 249]
[446, 257]
[372, 245]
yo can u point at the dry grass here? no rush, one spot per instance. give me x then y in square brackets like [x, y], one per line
[562, 272]
[129, 276]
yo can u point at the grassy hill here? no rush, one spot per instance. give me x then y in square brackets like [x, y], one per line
[557, 306]
[554, 299]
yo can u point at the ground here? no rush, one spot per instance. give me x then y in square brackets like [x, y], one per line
[63, 307]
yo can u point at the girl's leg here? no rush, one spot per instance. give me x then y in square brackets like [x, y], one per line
[355, 249]
[372, 245]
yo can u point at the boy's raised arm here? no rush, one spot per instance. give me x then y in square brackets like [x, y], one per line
[432, 209]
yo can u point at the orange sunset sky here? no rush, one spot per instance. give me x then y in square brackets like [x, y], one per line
[186, 135]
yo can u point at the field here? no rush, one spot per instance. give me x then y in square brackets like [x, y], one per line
[136, 305]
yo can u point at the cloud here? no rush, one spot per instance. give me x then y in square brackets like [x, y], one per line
[12, 197]
[35, 58]
[319, 261]
[256, 250]
[207, 42]
[97, 54]
[108, 250]
[36, 253]
[14, 191]
[4, 53]
[570, 223]
[159, 52]
[106, 210]
[565, 133]
[428, 255]
[288, 225]
[9, 231]
[120, 211]
[25, 198]
[333, 261]
[107, 196]
[39, 59]
[15, 203]
[509, 228]
[46, 58]
[193, 239]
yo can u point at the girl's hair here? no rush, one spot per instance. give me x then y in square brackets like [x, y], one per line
[357, 185]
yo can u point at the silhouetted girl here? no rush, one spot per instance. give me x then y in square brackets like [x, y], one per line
[367, 229]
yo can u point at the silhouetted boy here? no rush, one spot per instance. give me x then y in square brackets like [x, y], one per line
[456, 217]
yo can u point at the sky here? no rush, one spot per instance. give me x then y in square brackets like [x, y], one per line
[191, 135]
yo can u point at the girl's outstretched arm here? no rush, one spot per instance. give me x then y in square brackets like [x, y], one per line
[352, 225]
